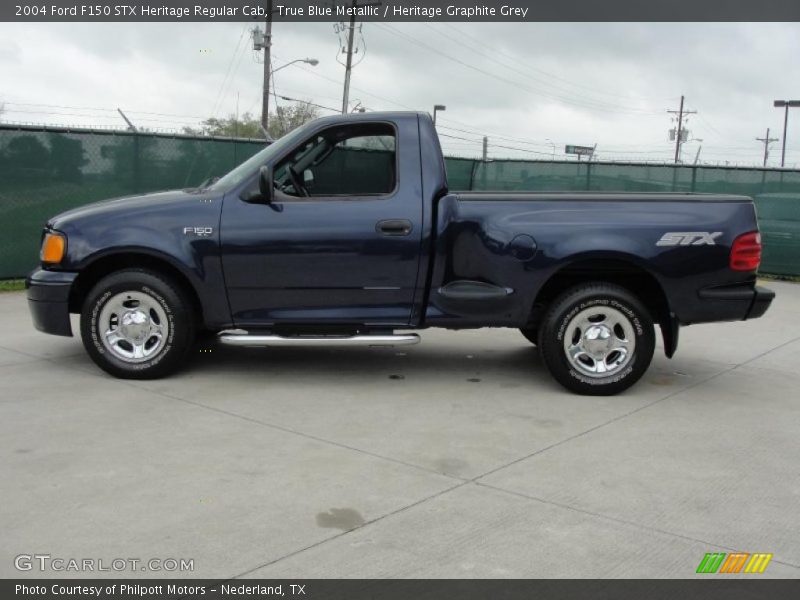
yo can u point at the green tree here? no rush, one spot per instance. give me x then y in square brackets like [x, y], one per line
[26, 157]
[281, 122]
[290, 117]
[67, 156]
[246, 126]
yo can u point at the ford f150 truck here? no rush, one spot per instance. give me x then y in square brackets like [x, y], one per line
[344, 232]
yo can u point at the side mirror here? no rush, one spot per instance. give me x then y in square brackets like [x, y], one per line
[265, 187]
[265, 193]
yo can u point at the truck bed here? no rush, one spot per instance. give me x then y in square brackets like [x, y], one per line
[595, 196]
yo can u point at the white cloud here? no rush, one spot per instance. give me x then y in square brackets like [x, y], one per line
[520, 84]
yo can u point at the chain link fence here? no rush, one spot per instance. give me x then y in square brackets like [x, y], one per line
[776, 192]
[47, 170]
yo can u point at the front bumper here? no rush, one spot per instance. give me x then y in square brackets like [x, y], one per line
[48, 300]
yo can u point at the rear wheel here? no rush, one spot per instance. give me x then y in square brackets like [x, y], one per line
[137, 324]
[597, 339]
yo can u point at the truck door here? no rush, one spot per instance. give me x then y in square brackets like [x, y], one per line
[340, 244]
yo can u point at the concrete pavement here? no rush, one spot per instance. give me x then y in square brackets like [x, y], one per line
[458, 457]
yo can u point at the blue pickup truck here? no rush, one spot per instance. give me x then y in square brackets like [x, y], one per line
[344, 232]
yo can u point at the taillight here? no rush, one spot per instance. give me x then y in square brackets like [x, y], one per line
[746, 252]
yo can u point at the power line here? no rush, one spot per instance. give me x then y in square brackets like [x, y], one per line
[94, 116]
[406, 107]
[588, 104]
[481, 132]
[503, 137]
[526, 74]
[618, 149]
[521, 150]
[527, 150]
[545, 73]
[222, 86]
[137, 112]
[58, 106]
[363, 91]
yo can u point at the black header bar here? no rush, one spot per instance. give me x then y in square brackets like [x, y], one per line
[402, 10]
[732, 588]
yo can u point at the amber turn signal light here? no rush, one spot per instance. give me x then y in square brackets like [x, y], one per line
[53, 248]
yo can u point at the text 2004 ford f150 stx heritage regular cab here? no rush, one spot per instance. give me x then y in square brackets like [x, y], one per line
[344, 232]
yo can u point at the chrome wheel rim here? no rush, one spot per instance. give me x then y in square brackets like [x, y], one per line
[133, 326]
[599, 341]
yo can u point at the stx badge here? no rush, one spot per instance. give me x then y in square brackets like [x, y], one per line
[688, 238]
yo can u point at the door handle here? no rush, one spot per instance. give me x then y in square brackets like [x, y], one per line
[394, 227]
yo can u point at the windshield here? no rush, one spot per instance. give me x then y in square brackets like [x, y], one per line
[249, 167]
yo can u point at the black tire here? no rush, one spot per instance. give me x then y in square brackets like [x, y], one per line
[530, 334]
[158, 303]
[618, 312]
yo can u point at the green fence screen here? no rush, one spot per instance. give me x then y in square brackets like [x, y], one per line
[44, 171]
[776, 192]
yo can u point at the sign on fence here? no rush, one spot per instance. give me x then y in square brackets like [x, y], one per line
[579, 150]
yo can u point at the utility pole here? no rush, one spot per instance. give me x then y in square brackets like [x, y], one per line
[767, 141]
[349, 66]
[679, 132]
[485, 148]
[267, 70]
[785, 104]
[351, 31]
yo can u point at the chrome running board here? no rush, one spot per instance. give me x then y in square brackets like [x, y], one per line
[243, 339]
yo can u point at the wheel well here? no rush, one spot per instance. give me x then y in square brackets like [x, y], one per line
[635, 279]
[89, 276]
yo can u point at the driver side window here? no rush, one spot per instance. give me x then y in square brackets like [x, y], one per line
[351, 160]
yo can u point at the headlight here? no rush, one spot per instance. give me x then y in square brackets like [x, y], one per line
[53, 247]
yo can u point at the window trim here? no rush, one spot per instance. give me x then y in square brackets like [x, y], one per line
[347, 197]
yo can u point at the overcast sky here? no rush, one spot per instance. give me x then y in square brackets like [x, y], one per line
[530, 87]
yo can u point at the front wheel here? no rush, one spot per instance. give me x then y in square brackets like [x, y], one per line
[597, 339]
[137, 324]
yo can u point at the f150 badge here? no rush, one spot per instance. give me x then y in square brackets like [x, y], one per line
[688, 238]
[198, 231]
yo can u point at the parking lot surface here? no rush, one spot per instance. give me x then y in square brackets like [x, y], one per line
[458, 457]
